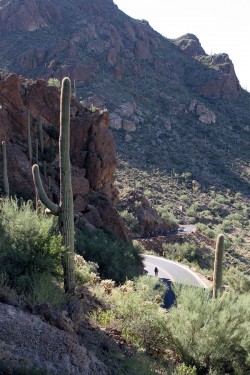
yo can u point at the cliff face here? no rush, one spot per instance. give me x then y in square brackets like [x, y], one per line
[92, 149]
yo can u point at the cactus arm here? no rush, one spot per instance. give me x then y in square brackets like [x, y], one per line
[54, 208]
[218, 265]
[66, 216]
[5, 171]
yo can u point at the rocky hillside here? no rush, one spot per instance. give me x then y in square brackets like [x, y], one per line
[173, 107]
[92, 150]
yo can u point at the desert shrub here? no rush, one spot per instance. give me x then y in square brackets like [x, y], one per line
[165, 213]
[139, 317]
[130, 220]
[45, 288]
[116, 258]
[84, 271]
[29, 244]
[138, 365]
[238, 281]
[187, 251]
[54, 82]
[182, 369]
[212, 334]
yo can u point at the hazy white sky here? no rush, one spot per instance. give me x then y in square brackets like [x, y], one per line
[220, 25]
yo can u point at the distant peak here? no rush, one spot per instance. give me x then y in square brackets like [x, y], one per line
[190, 45]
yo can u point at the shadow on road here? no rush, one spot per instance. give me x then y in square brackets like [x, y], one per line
[169, 298]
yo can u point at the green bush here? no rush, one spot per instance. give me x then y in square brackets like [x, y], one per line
[44, 288]
[212, 334]
[130, 220]
[117, 259]
[166, 214]
[187, 250]
[182, 369]
[238, 281]
[29, 244]
[54, 82]
[135, 305]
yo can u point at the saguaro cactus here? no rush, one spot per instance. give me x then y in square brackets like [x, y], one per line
[29, 136]
[217, 278]
[75, 88]
[65, 208]
[40, 125]
[5, 171]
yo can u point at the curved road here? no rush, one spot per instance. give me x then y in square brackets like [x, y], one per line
[171, 271]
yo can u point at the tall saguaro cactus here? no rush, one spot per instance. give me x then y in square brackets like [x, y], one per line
[5, 171]
[64, 210]
[217, 278]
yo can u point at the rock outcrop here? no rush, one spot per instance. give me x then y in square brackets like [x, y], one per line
[92, 146]
[190, 45]
[27, 342]
[150, 223]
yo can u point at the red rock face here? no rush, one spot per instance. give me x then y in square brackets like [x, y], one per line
[92, 146]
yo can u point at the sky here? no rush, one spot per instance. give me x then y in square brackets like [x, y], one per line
[222, 26]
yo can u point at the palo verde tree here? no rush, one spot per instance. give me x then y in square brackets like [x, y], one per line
[64, 210]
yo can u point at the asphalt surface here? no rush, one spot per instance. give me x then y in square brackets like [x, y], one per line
[170, 272]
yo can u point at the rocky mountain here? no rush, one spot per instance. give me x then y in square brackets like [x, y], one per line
[92, 150]
[172, 106]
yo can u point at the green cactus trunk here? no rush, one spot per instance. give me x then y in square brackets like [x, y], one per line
[64, 210]
[66, 215]
[218, 266]
[75, 88]
[5, 171]
[29, 137]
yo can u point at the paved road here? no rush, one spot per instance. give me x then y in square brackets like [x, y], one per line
[170, 272]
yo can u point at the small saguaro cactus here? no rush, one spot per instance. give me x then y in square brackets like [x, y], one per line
[5, 171]
[40, 127]
[217, 278]
[75, 88]
[64, 210]
[29, 137]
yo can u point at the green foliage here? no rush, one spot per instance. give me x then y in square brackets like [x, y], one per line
[29, 244]
[212, 334]
[130, 220]
[84, 271]
[117, 259]
[135, 305]
[137, 365]
[166, 214]
[182, 369]
[187, 250]
[238, 281]
[54, 82]
[44, 288]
